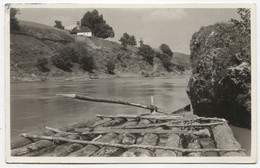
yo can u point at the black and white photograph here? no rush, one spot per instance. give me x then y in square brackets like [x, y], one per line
[100, 83]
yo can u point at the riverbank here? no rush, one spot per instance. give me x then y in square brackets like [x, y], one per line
[90, 76]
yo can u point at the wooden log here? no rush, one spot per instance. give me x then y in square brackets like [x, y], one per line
[81, 124]
[149, 139]
[102, 130]
[172, 141]
[87, 98]
[42, 151]
[114, 122]
[21, 141]
[150, 147]
[92, 148]
[155, 117]
[225, 139]
[169, 124]
[195, 144]
[100, 122]
[64, 149]
[111, 151]
[45, 147]
[31, 148]
[55, 130]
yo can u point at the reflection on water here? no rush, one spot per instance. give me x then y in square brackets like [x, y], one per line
[33, 104]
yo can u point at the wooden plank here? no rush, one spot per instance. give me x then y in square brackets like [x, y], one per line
[225, 139]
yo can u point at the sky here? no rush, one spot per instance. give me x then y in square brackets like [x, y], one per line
[171, 26]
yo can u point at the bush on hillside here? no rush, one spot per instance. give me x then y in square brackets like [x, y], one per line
[64, 59]
[71, 52]
[166, 49]
[166, 61]
[41, 64]
[87, 63]
[110, 67]
[14, 24]
[58, 24]
[147, 52]
[62, 62]
[127, 39]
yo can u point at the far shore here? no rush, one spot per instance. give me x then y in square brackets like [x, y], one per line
[87, 76]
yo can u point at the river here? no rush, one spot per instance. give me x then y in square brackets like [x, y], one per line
[34, 104]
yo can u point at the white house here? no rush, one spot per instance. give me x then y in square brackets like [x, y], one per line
[81, 30]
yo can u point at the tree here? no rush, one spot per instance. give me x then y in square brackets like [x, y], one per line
[141, 42]
[110, 67]
[97, 24]
[14, 24]
[62, 61]
[127, 39]
[58, 24]
[88, 63]
[166, 49]
[147, 52]
[132, 40]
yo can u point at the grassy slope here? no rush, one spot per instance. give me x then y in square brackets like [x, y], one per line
[37, 40]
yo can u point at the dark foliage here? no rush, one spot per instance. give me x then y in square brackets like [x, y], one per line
[97, 24]
[221, 82]
[41, 64]
[110, 67]
[14, 24]
[87, 63]
[166, 61]
[62, 62]
[127, 39]
[58, 24]
[64, 59]
[147, 52]
[70, 52]
[166, 49]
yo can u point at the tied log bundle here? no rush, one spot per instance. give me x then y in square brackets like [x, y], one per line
[148, 139]
[39, 147]
[225, 139]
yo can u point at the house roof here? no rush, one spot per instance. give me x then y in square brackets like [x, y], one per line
[81, 29]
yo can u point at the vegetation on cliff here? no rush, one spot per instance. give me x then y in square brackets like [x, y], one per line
[221, 76]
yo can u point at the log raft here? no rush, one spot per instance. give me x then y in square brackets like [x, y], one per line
[121, 135]
[118, 136]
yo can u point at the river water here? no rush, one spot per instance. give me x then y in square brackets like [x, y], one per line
[34, 104]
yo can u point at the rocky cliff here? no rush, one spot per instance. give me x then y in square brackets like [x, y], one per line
[220, 85]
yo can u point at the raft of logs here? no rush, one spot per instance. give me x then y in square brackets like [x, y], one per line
[149, 135]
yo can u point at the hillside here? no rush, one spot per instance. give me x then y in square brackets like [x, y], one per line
[34, 41]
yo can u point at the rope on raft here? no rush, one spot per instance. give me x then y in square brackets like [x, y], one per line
[51, 138]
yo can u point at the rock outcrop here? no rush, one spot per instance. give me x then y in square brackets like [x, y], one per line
[220, 84]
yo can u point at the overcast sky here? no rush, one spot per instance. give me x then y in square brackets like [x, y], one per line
[174, 27]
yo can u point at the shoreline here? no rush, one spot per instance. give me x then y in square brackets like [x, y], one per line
[89, 76]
